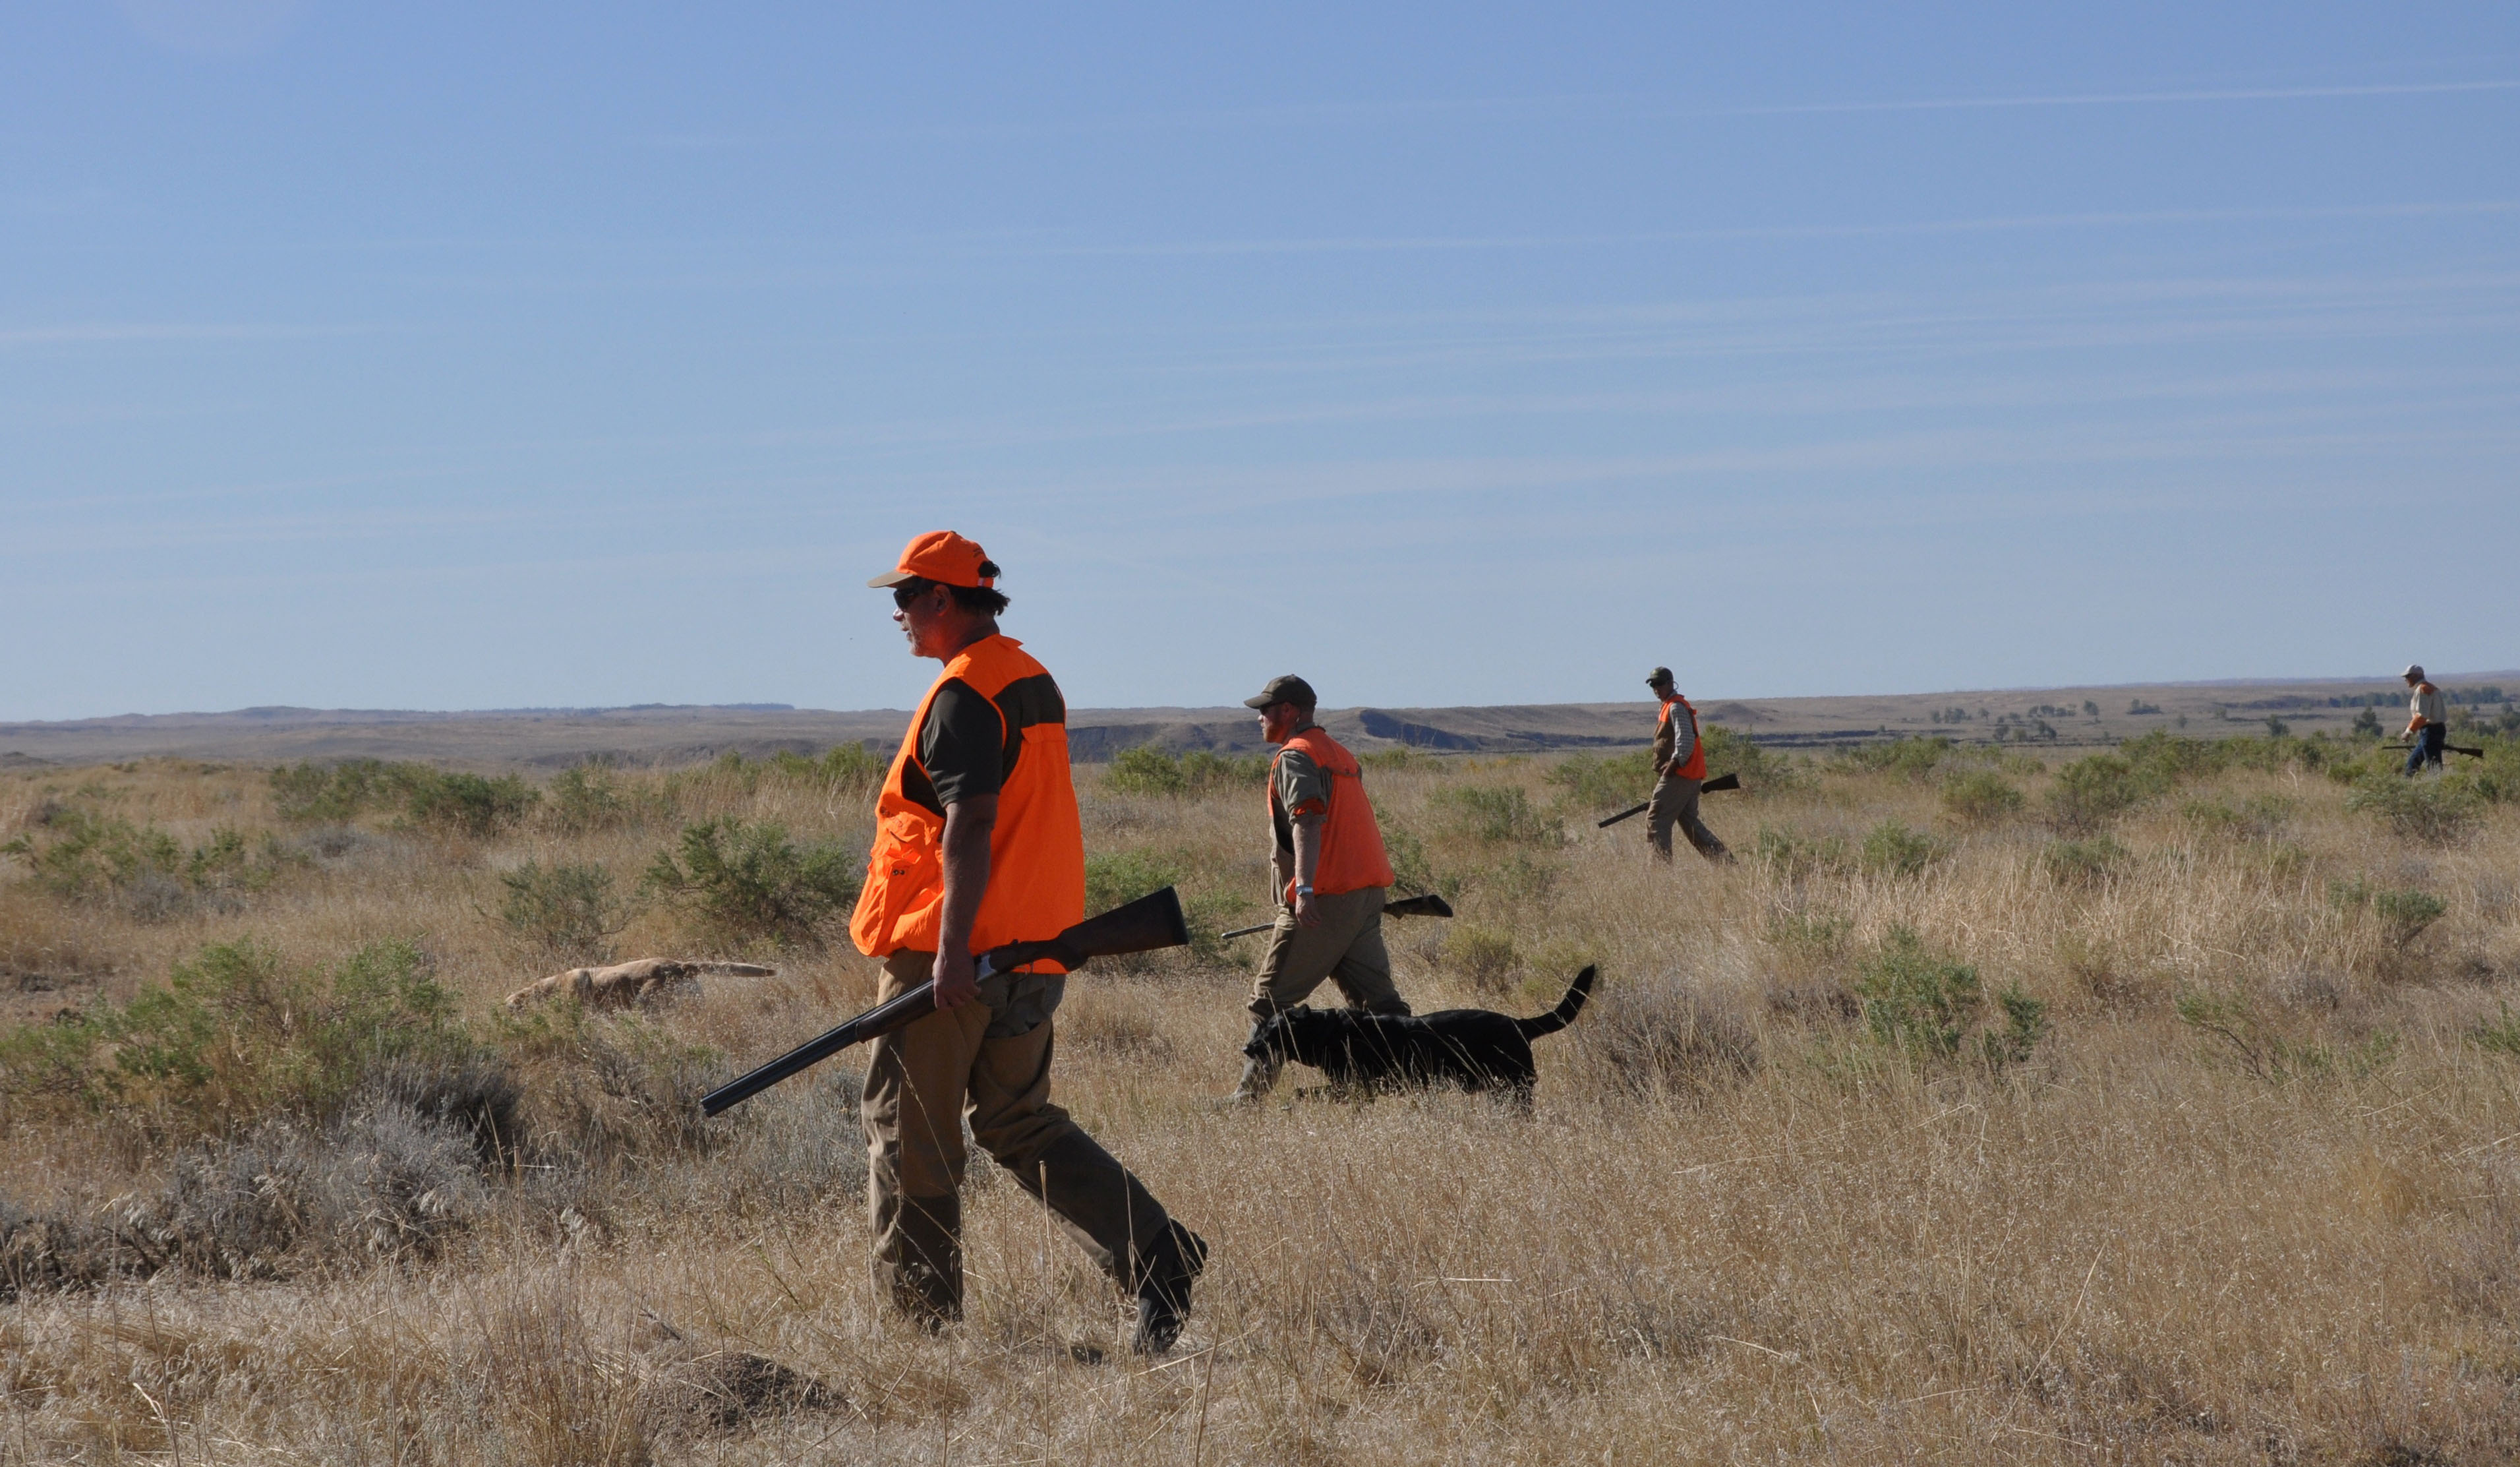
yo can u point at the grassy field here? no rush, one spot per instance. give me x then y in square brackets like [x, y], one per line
[2157, 1107]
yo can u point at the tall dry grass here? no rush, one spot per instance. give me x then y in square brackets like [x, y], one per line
[2284, 1227]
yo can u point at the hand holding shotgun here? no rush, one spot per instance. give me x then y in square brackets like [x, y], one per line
[1719, 781]
[1150, 922]
[1428, 905]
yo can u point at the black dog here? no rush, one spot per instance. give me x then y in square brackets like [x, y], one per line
[1473, 1048]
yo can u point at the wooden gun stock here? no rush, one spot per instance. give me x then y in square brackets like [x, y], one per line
[1148, 923]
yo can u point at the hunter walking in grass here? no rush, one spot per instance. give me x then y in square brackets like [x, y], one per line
[1330, 873]
[2427, 721]
[1680, 768]
[977, 844]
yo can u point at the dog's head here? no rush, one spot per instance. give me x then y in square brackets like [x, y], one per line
[1302, 1034]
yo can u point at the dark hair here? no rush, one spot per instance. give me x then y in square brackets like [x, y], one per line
[985, 600]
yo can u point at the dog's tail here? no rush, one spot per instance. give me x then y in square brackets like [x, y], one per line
[735, 969]
[1567, 1008]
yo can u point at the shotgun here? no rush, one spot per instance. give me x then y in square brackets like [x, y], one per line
[1719, 781]
[1428, 905]
[1148, 923]
[2450, 747]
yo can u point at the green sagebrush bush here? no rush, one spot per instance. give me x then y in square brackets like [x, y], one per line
[1603, 782]
[746, 882]
[2270, 1055]
[1980, 796]
[2405, 912]
[1915, 757]
[450, 801]
[1150, 770]
[565, 909]
[236, 1033]
[1793, 857]
[2430, 811]
[1496, 815]
[1891, 849]
[1929, 1007]
[80, 855]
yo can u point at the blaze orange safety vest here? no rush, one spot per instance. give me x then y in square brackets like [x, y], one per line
[1036, 849]
[1693, 766]
[1352, 855]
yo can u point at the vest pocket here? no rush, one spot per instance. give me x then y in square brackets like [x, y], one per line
[904, 867]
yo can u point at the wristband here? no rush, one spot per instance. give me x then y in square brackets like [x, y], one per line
[1303, 889]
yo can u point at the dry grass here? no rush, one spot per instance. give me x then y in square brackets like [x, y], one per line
[1737, 1227]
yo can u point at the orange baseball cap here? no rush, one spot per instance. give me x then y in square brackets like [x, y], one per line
[941, 555]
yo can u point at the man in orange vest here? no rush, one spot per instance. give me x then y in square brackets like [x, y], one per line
[1680, 768]
[977, 844]
[1330, 873]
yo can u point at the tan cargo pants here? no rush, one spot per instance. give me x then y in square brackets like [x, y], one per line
[921, 1082]
[1345, 946]
[1675, 803]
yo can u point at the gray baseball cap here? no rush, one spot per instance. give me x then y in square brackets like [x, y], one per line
[1287, 689]
[1659, 678]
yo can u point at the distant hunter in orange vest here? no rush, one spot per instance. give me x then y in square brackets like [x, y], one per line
[977, 844]
[1680, 768]
[1329, 870]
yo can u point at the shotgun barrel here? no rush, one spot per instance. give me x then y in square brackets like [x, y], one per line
[2450, 748]
[1428, 905]
[1145, 925]
[1719, 781]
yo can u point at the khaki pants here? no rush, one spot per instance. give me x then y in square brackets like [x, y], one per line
[1345, 946]
[1675, 803]
[921, 1082]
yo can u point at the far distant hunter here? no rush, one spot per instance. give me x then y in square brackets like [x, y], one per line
[1680, 768]
[1330, 875]
[2427, 721]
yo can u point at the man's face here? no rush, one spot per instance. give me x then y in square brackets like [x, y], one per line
[1279, 721]
[1659, 689]
[922, 616]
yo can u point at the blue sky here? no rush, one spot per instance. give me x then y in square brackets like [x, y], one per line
[465, 357]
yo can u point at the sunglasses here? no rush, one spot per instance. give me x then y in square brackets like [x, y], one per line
[909, 591]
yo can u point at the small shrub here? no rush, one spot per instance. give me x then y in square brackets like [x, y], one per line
[1595, 782]
[2499, 1034]
[747, 882]
[2405, 914]
[1892, 850]
[472, 805]
[1485, 956]
[2085, 863]
[1144, 770]
[2089, 793]
[2432, 811]
[564, 910]
[1497, 815]
[235, 1035]
[337, 793]
[81, 855]
[853, 768]
[1912, 758]
[1792, 858]
[2272, 1056]
[1150, 770]
[1980, 796]
[1817, 934]
[588, 797]
[1929, 1007]
[1121, 875]
[1412, 871]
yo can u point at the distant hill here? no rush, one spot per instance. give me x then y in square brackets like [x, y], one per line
[681, 734]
